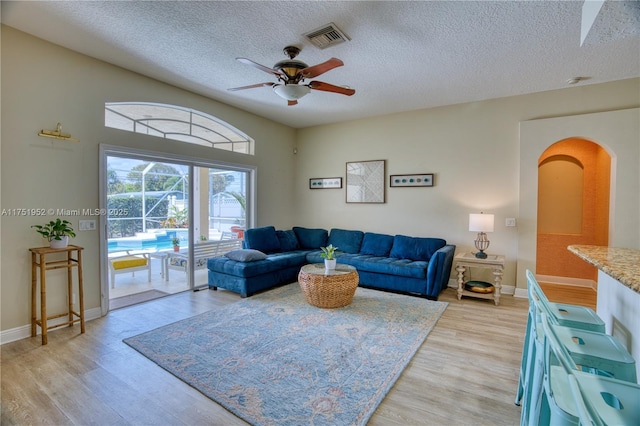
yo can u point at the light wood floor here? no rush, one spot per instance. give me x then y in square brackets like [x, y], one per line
[575, 295]
[465, 373]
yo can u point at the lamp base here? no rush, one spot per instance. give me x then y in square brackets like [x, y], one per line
[482, 243]
[481, 255]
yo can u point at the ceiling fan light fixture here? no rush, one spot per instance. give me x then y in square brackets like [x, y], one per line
[291, 92]
[290, 67]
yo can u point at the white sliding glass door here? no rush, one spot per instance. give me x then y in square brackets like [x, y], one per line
[162, 215]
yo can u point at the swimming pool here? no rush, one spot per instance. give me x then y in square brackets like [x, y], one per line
[156, 241]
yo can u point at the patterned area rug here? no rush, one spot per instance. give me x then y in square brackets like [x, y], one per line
[273, 359]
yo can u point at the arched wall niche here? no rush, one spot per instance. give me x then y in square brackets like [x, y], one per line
[616, 132]
[574, 178]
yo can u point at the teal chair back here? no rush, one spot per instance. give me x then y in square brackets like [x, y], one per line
[607, 401]
[595, 352]
[556, 405]
[565, 314]
[573, 397]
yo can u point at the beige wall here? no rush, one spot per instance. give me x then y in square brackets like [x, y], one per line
[43, 84]
[474, 151]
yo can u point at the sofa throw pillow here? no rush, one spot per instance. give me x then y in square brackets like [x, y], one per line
[288, 240]
[263, 239]
[346, 241]
[309, 238]
[376, 244]
[246, 255]
[415, 248]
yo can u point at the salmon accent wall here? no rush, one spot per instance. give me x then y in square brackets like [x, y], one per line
[560, 190]
[552, 257]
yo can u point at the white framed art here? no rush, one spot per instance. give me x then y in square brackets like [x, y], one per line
[365, 181]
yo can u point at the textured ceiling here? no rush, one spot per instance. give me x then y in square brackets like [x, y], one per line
[402, 55]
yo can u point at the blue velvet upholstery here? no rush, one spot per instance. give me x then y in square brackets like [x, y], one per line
[420, 266]
[377, 264]
[273, 262]
[311, 238]
[415, 248]
[263, 239]
[395, 284]
[248, 286]
[376, 244]
[288, 240]
[346, 241]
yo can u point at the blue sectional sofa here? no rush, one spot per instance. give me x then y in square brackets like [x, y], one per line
[413, 265]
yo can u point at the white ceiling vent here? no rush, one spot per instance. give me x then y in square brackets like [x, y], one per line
[327, 35]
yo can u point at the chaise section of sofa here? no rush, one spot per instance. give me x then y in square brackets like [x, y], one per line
[283, 258]
[413, 265]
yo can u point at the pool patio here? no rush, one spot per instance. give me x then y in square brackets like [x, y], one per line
[129, 284]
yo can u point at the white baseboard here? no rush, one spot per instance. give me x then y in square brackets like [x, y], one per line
[521, 292]
[24, 331]
[578, 282]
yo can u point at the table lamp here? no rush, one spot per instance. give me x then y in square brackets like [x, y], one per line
[481, 223]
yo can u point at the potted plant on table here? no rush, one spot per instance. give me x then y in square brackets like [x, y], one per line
[176, 243]
[329, 254]
[57, 232]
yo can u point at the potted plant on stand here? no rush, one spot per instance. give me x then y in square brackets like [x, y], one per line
[329, 254]
[57, 232]
[176, 243]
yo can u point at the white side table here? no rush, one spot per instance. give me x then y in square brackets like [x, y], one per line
[469, 260]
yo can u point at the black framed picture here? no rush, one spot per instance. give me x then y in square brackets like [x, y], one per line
[325, 183]
[424, 179]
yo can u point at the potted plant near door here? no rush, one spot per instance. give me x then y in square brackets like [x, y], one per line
[176, 243]
[329, 254]
[57, 232]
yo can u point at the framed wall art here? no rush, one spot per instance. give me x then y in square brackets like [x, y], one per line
[425, 179]
[365, 181]
[325, 183]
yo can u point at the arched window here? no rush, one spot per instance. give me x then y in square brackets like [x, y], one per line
[177, 123]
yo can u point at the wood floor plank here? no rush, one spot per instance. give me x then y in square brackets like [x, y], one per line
[571, 294]
[466, 372]
[24, 405]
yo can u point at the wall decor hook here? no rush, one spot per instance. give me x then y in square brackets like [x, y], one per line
[57, 134]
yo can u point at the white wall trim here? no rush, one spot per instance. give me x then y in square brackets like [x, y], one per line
[577, 282]
[24, 331]
[522, 293]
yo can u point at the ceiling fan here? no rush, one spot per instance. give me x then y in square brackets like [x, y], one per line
[291, 72]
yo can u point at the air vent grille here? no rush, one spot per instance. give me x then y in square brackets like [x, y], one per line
[327, 35]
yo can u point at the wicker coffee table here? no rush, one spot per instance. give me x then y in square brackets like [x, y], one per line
[328, 289]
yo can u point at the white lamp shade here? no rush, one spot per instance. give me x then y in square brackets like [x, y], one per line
[480, 222]
[291, 92]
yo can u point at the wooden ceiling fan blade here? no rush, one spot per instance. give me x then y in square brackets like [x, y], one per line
[316, 70]
[263, 68]
[292, 103]
[253, 86]
[326, 87]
